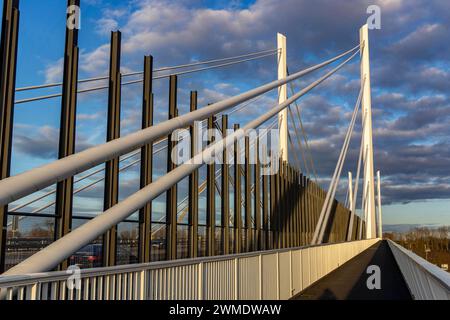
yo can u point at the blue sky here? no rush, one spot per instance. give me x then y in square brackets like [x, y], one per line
[410, 81]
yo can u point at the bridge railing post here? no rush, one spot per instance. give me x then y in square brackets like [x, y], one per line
[64, 189]
[111, 196]
[146, 178]
[8, 66]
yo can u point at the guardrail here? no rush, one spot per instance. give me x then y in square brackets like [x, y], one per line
[275, 274]
[425, 280]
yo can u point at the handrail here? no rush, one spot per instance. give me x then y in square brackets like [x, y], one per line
[26, 279]
[419, 273]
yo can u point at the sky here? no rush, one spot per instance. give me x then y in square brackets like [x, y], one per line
[410, 82]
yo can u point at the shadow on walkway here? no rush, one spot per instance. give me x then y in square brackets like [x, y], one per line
[349, 282]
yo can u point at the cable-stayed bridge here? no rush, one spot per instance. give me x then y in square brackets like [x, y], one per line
[270, 231]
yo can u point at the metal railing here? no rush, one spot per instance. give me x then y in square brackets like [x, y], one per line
[275, 275]
[425, 280]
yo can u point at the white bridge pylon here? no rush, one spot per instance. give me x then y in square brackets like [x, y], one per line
[368, 181]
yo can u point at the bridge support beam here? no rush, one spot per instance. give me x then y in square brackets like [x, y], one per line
[171, 195]
[282, 97]
[64, 189]
[237, 195]
[193, 188]
[111, 196]
[8, 65]
[257, 196]
[367, 135]
[211, 196]
[145, 214]
[225, 192]
[248, 199]
[350, 205]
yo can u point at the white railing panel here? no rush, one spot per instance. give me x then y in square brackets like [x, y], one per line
[269, 277]
[425, 280]
[275, 274]
[285, 275]
[297, 285]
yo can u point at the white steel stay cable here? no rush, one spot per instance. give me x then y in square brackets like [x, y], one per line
[49, 85]
[93, 183]
[200, 69]
[355, 192]
[61, 249]
[299, 142]
[328, 199]
[305, 137]
[339, 172]
[50, 96]
[21, 206]
[21, 185]
[297, 161]
[337, 178]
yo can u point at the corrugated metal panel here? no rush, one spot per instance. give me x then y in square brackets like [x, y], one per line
[306, 267]
[285, 275]
[270, 276]
[297, 284]
[219, 280]
[249, 278]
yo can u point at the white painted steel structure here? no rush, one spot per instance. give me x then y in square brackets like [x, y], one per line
[368, 181]
[282, 96]
[266, 275]
[425, 280]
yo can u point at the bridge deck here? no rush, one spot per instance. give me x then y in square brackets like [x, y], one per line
[348, 282]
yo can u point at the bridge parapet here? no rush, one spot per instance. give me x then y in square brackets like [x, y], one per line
[425, 280]
[275, 274]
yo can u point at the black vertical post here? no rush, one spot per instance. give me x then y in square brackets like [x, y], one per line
[283, 205]
[225, 191]
[248, 199]
[64, 189]
[8, 65]
[257, 205]
[298, 208]
[288, 206]
[273, 201]
[171, 195]
[302, 211]
[237, 196]
[211, 196]
[145, 214]
[265, 209]
[193, 189]
[111, 196]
